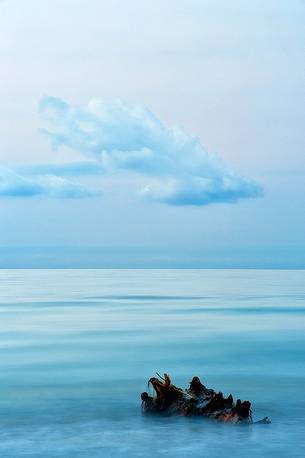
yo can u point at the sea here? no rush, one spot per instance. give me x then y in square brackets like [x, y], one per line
[77, 348]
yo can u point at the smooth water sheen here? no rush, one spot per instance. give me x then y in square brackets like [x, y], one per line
[78, 346]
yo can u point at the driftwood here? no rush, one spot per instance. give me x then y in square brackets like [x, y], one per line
[196, 400]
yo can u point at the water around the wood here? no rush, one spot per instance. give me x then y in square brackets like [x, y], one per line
[78, 346]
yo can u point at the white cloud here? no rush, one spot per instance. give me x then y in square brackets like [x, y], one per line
[179, 170]
[13, 184]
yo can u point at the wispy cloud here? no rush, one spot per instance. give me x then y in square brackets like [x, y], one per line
[118, 135]
[13, 184]
[66, 169]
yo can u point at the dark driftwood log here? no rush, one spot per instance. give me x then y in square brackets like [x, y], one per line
[196, 400]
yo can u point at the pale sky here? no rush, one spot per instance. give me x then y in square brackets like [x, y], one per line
[179, 128]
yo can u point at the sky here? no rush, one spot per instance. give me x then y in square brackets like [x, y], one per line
[152, 134]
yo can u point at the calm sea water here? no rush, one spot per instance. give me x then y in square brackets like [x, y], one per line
[77, 348]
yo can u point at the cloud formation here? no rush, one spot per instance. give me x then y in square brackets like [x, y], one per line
[13, 184]
[118, 135]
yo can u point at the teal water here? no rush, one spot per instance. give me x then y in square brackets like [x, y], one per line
[77, 348]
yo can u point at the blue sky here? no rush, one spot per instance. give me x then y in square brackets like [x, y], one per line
[152, 134]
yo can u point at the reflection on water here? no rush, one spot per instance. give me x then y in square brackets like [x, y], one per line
[77, 347]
